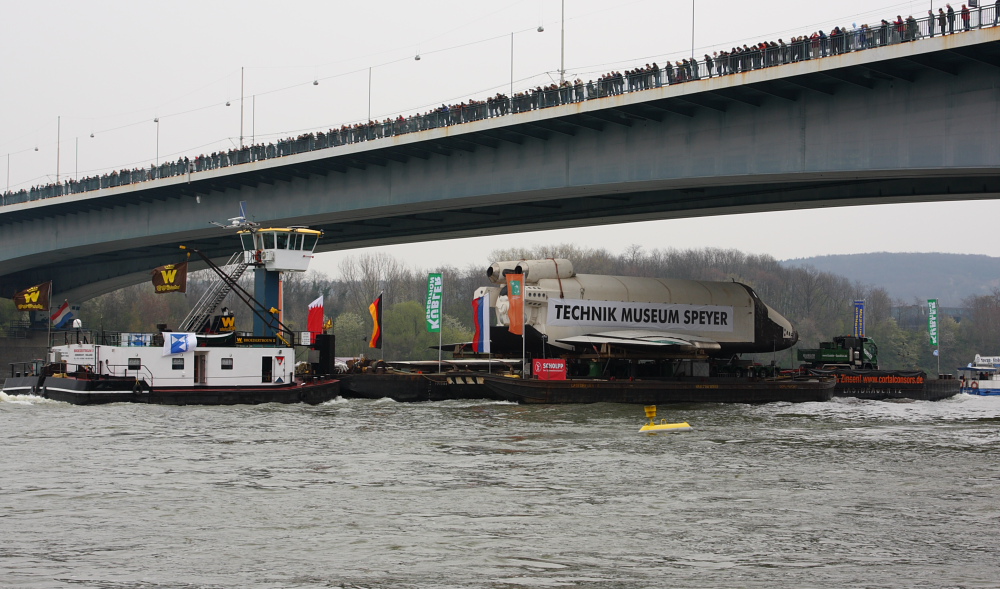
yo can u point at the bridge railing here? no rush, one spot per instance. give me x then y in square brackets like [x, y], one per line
[736, 60]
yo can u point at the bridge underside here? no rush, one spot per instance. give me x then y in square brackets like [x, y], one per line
[909, 123]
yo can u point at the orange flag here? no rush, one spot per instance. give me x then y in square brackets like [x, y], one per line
[515, 296]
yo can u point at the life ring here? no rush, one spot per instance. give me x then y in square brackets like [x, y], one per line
[975, 384]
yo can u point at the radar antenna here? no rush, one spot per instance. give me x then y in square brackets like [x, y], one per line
[239, 222]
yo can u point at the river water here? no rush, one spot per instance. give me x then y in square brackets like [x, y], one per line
[381, 494]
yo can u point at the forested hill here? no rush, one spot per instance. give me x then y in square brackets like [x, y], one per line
[951, 278]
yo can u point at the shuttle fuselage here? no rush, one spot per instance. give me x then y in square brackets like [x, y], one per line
[561, 305]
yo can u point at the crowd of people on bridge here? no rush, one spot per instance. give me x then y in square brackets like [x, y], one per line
[737, 59]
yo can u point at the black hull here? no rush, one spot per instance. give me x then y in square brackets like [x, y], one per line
[399, 387]
[888, 385]
[931, 390]
[23, 385]
[103, 391]
[408, 387]
[653, 392]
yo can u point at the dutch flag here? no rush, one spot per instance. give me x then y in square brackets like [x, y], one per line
[62, 316]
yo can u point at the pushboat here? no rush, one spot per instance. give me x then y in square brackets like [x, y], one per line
[205, 361]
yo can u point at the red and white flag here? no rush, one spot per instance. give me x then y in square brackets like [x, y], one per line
[314, 324]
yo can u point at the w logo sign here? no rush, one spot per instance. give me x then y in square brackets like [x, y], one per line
[35, 298]
[170, 278]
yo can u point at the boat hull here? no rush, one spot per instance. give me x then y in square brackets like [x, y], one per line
[887, 385]
[23, 385]
[412, 387]
[93, 391]
[404, 387]
[981, 391]
[651, 392]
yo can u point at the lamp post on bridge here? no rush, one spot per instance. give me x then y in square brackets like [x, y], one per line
[8, 169]
[416, 57]
[540, 29]
[58, 142]
[562, 45]
[157, 121]
[692, 30]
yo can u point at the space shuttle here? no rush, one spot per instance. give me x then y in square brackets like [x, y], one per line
[566, 312]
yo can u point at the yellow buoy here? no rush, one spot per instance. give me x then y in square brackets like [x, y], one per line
[653, 428]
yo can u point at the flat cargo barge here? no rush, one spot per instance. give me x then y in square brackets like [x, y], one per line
[888, 385]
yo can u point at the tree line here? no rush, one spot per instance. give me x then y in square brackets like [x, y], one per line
[819, 304]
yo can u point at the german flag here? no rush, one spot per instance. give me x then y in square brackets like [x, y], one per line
[376, 310]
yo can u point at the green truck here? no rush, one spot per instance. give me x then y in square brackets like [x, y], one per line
[845, 351]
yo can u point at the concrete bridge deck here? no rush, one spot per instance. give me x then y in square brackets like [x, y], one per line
[910, 122]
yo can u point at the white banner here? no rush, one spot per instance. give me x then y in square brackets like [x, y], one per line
[574, 312]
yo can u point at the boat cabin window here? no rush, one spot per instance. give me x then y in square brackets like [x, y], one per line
[134, 363]
[227, 363]
[177, 364]
[248, 244]
[282, 240]
[309, 241]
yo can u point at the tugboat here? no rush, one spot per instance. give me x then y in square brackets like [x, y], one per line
[205, 361]
[853, 361]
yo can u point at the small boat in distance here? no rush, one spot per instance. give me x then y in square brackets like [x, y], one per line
[981, 376]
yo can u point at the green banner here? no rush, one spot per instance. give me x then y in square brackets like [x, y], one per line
[932, 320]
[435, 287]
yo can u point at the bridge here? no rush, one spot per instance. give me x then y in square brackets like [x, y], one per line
[902, 123]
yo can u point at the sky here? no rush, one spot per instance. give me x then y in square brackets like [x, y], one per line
[83, 83]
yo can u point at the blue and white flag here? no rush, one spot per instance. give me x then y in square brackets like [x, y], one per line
[178, 343]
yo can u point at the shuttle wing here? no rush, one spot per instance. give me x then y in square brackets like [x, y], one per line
[641, 338]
